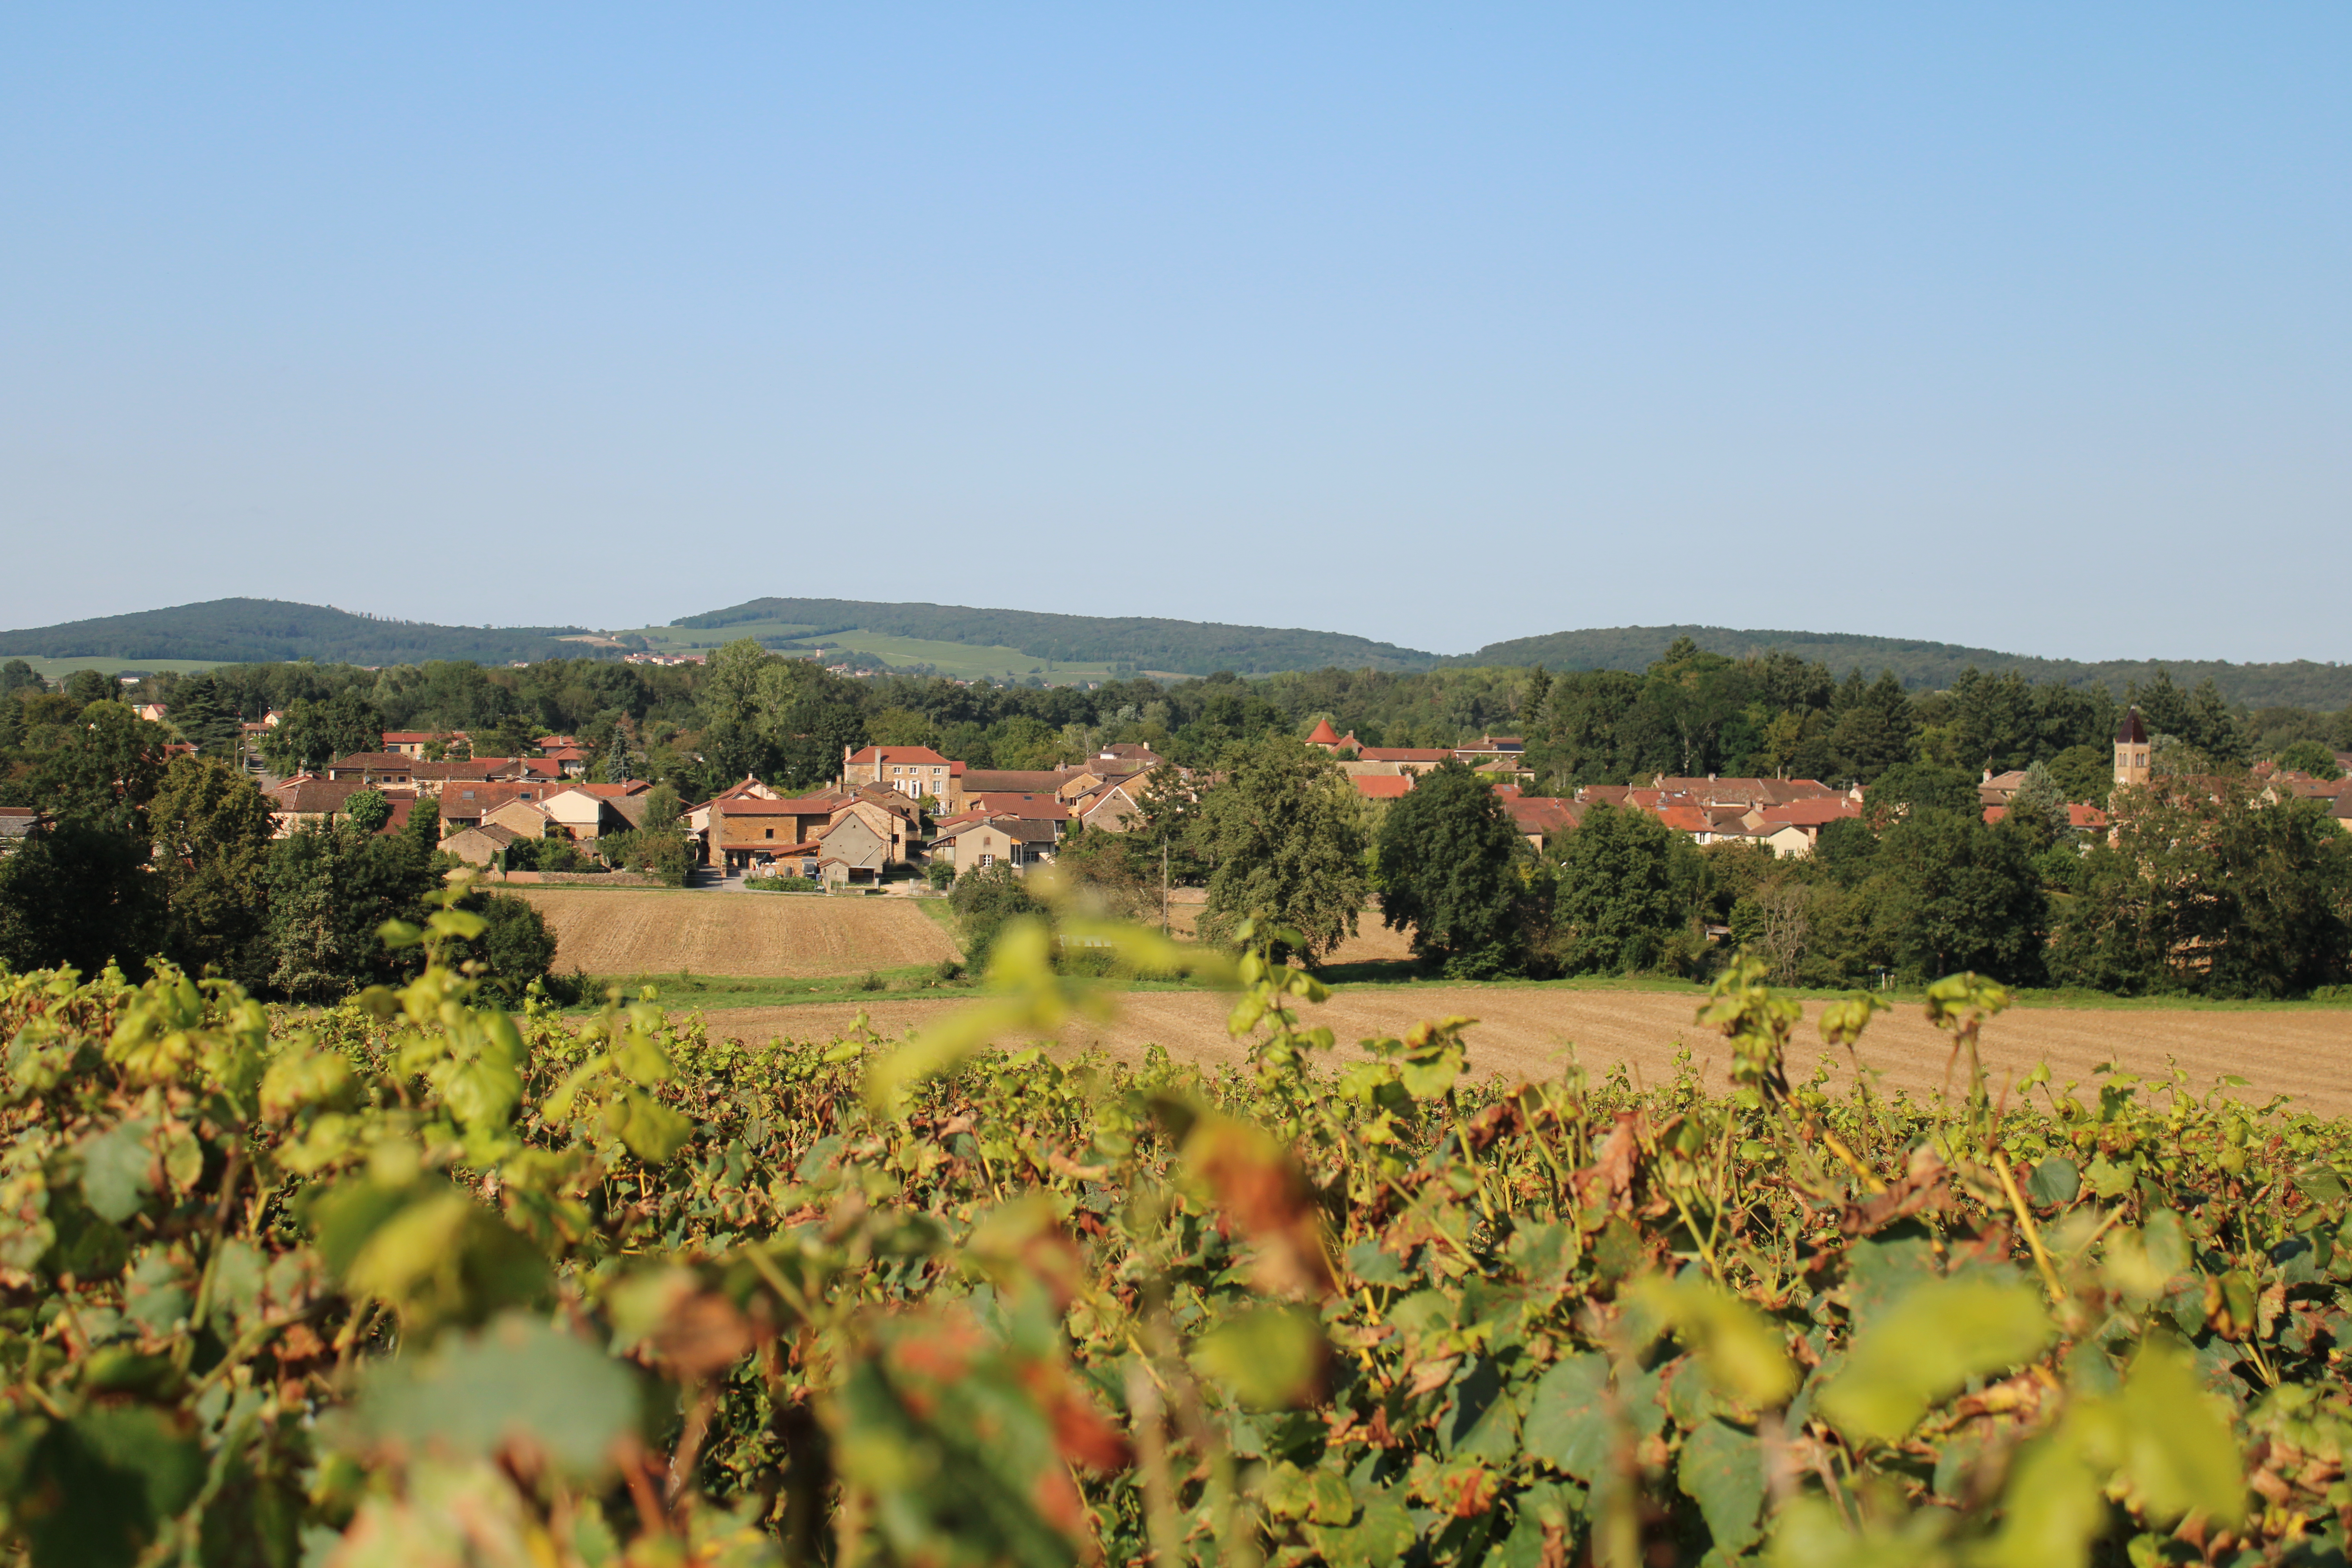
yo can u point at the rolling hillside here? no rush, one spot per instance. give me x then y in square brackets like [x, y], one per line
[1922, 665]
[255, 631]
[1016, 644]
[1178, 647]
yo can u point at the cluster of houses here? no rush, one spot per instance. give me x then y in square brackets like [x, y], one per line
[484, 804]
[1785, 814]
[870, 820]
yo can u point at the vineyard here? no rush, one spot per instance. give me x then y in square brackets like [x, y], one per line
[420, 1282]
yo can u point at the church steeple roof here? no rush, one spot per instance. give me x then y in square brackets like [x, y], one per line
[2131, 732]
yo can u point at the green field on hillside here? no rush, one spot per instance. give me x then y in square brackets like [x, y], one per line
[959, 661]
[52, 669]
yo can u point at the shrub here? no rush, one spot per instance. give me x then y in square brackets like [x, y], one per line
[984, 900]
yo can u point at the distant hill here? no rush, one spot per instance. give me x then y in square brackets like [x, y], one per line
[1179, 647]
[1092, 646]
[1923, 665]
[257, 631]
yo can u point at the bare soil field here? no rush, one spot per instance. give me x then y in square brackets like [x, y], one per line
[795, 936]
[1529, 1032]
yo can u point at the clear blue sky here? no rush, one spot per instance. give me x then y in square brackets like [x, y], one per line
[2024, 326]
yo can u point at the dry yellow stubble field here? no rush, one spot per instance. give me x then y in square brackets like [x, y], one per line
[1526, 1032]
[624, 932]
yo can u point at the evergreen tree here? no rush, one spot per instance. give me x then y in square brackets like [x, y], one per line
[213, 833]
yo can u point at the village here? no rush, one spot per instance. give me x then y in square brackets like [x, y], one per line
[908, 818]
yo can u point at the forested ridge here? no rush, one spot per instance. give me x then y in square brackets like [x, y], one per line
[1183, 647]
[1922, 665]
[241, 630]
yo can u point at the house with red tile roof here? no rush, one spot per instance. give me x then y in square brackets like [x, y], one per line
[1325, 739]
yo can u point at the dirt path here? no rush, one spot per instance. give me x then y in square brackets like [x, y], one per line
[1528, 1032]
[789, 935]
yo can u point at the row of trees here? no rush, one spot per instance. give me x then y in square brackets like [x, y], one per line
[2208, 890]
[141, 858]
[750, 710]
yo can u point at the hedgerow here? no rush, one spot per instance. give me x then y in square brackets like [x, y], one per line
[416, 1280]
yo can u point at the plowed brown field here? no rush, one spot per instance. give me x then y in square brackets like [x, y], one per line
[790, 936]
[1528, 1032]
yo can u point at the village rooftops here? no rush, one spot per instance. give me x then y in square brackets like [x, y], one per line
[1383, 786]
[1431, 755]
[899, 757]
[1049, 807]
[1811, 813]
[1014, 780]
[1025, 830]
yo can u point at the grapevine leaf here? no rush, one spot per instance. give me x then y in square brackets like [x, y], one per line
[2054, 1182]
[118, 1170]
[1268, 1359]
[1569, 1423]
[1929, 1344]
[1722, 1470]
[2175, 1441]
[518, 1388]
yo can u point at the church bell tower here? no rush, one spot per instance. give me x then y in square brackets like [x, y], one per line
[2131, 749]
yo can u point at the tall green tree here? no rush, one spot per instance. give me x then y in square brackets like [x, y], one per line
[2212, 891]
[1877, 730]
[1283, 832]
[310, 733]
[330, 888]
[1911, 788]
[1954, 893]
[1617, 907]
[1447, 872]
[203, 719]
[213, 833]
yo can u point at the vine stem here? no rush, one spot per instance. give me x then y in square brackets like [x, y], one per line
[2025, 1222]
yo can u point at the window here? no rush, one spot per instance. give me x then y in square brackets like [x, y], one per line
[986, 861]
[770, 834]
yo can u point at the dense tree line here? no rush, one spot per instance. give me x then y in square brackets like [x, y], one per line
[1692, 712]
[144, 853]
[2207, 889]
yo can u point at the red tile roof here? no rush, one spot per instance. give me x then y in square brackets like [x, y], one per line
[1407, 753]
[1383, 786]
[1001, 803]
[908, 755]
[1543, 813]
[1324, 734]
[1810, 813]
